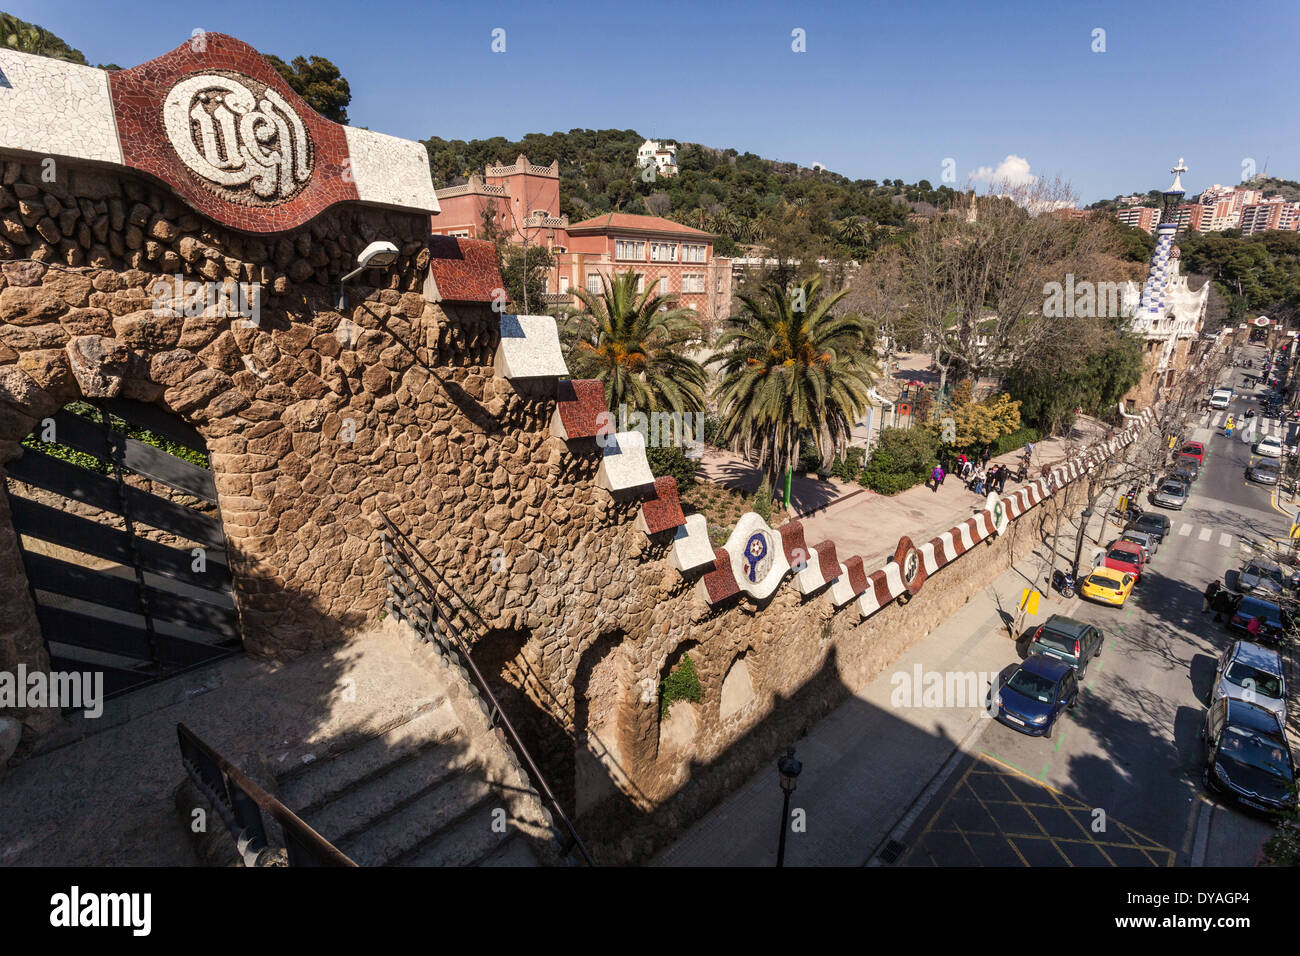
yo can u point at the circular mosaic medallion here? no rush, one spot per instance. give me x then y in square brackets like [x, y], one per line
[757, 560]
[240, 138]
[910, 565]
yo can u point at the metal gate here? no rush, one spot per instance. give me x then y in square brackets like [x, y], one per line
[122, 543]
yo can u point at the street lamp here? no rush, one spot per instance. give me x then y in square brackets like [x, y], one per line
[788, 768]
[1078, 546]
[374, 256]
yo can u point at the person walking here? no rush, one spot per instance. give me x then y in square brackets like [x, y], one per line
[934, 477]
[1207, 600]
[988, 453]
[943, 473]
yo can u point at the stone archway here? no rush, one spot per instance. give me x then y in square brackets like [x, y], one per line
[738, 687]
[599, 686]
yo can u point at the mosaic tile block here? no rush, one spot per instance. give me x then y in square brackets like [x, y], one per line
[623, 465]
[530, 348]
[463, 270]
[662, 509]
[720, 583]
[691, 547]
[580, 410]
[757, 556]
[53, 108]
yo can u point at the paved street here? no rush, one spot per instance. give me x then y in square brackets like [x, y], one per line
[1117, 783]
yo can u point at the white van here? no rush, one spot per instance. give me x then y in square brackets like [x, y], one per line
[1221, 398]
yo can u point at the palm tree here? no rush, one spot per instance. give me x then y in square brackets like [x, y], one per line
[636, 344]
[791, 368]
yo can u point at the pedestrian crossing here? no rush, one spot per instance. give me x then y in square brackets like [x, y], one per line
[1263, 426]
[1186, 529]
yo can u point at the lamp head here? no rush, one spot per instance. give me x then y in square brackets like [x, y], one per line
[377, 255]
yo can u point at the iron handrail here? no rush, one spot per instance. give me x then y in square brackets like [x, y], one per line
[240, 802]
[431, 596]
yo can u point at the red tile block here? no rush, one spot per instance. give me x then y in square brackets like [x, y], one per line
[880, 586]
[138, 96]
[857, 574]
[720, 583]
[581, 405]
[792, 541]
[827, 560]
[662, 509]
[464, 270]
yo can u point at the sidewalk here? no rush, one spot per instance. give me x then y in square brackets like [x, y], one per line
[860, 521]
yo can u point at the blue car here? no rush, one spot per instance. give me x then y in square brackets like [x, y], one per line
[1274, 622]
[1034, 696]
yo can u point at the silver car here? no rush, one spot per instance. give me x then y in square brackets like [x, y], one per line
[1147, 542]
[1251, 673]
[1172, 494]
[1261, 579]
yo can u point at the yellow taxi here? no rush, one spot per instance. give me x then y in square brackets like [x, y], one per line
[1108, 586]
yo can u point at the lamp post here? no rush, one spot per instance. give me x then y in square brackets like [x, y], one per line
[1078, 546]
[788, 768]
[377, 255]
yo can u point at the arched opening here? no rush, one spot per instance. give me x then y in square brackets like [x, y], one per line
[114, 505]
[598, 686]
[681, 694]
[737, 689]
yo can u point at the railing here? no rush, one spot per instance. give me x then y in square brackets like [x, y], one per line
[415, 599]
[240, 803]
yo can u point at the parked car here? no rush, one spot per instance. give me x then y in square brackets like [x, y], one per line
[1036, 694]
[1247, 756]
[1108, 586]
[1186, 470]
[1264, 472]
[1193, 450]
[1124, 556]
[1274, 621]
[1172, 494]
[1068, 640]
[1151, 523]
[1148, 543]
[1252, 673]
[1269, 446]
[1261, 579]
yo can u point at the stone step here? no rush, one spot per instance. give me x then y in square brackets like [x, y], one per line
[423, 819]
[513, 852]
[308, 788]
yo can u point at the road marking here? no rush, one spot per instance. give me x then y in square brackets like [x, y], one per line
[1225, 540]
[1204, 535]
[1184, 531]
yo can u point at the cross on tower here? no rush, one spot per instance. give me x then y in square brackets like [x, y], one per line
[1178, 171]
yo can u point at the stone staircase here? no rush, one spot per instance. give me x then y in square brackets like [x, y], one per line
[437, 787]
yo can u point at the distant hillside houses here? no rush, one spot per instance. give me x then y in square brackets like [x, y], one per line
[663, 156]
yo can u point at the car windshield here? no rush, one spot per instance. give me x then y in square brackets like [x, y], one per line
[1172, 488]
[1097, 580]
[1250, 678]
[1032, 685]
[1124, 556]
[1256, 750]
[1058, 642]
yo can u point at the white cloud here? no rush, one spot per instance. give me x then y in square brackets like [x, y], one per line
[1012, 171]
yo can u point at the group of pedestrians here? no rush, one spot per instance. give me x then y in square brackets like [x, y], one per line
[978, 476]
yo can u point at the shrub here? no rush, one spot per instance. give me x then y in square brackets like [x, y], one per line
[903, 457]
[682, 683]
[850, 469]
[763, 501]
[1017, 439]
[672, 462]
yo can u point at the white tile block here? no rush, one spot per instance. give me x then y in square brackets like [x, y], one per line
[56, 109]
[530, 348]
[810, 578]
[624, 464]
[389, 171]
[841, 591]
[691, 547]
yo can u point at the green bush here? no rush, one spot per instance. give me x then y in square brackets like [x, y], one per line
[672, 462]
[850, 469]
[1016, 439]
[762, 504]
[682, 683]
[711, 426]
[809, 458]
[904, 457]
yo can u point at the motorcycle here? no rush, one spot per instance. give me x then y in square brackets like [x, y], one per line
[1063, 581]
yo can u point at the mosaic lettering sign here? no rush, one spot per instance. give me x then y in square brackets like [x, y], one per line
[239, 136]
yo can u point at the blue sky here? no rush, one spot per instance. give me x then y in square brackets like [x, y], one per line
[884, 90]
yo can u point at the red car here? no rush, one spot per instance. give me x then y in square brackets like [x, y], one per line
[1124, 556]
[1193, 449]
